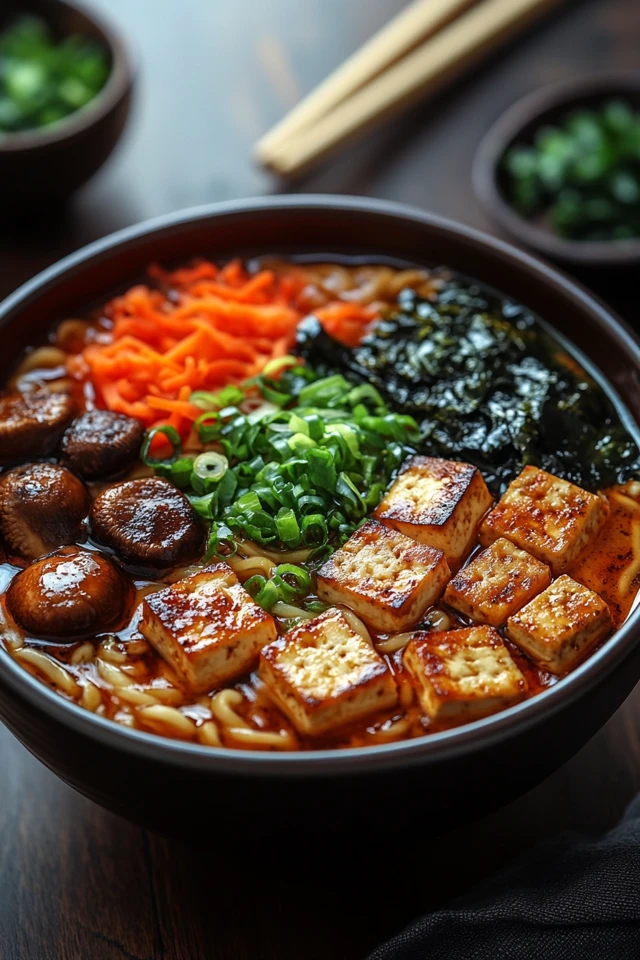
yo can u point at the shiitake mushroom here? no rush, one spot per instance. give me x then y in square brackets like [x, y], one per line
[147, 523]
[70, 594]
[32, 424]
[42, 507]
[100, 443]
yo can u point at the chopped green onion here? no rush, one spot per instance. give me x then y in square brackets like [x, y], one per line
[208, 426]
[365, 392]
[322, 470]
[172, 436]
[255, 412]
[322, 392]
[287, 527]
[309, 503]
[303, 460]
[204, 505]
[44, 78]
[353, 503]
[300, 442]
[298, 425]
[268, 595]
[254, 585]
[314, 530]
[249, 501]
[315, 426]
[226, 488]
[279, 363]
[315, 606]
[288, 583]
[180, 472]
[274, 396]
[210, 466]
[222, 544]
[227, 397]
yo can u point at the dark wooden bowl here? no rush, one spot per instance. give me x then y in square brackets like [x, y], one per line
[198, 792]
[41, 167]
[518, 125]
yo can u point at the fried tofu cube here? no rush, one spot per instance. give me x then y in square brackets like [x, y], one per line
[386, 578]
[463, 674]
[546, 516]
[207, 627]
[323, 674]
[497, 583]
[437, 502]
[561, 626]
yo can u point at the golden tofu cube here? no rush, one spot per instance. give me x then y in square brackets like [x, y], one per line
[323, 674]
[546, 516]
[207, 627]
[386, 578]
[496, 583]
[462, 674]
[438, 502]
[561, 626]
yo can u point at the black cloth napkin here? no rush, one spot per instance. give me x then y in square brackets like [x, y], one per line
[568, 899]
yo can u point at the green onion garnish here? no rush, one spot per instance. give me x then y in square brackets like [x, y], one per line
[288, 583]
[303, 473]
[210, 466]
[296, 578]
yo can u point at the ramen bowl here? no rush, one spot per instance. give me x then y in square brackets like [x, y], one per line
[160, 783]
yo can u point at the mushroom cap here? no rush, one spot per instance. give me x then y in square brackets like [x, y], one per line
[42, 507]
[148, 523]
[70, 594]
[100, 443]
[31, 424]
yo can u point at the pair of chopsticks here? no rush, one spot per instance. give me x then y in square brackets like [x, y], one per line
[428, 44]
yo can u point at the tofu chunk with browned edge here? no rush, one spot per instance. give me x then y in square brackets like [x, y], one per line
[496, 583]
[207, 627]
[323, 674]
[386, 578]
[546, 516]
[437, 502]
[462, 674]
[561, 626]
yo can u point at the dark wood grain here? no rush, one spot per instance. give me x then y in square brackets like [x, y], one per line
[76, 882]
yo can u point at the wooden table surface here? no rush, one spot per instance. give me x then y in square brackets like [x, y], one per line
[76, 883]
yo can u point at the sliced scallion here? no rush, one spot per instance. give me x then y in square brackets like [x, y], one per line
[210, 466]
[303, 460]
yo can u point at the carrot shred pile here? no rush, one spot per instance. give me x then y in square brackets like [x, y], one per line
[200, 327]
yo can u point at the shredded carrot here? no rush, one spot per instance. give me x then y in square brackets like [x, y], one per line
[202, 327]
[346, 321]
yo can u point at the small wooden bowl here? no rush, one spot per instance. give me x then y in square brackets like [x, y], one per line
[518, 125]
[42, 166]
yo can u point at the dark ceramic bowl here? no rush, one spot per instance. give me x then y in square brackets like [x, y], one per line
[179, 788]
[43, 166]
[519, 125]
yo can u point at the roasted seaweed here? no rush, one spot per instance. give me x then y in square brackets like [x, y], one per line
[487, 384]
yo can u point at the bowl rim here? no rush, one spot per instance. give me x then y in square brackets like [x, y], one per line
[404, 753]
[117, 85]
[508, 126]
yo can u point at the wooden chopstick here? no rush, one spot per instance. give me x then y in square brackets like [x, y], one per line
[404, 33]
[445, 56]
